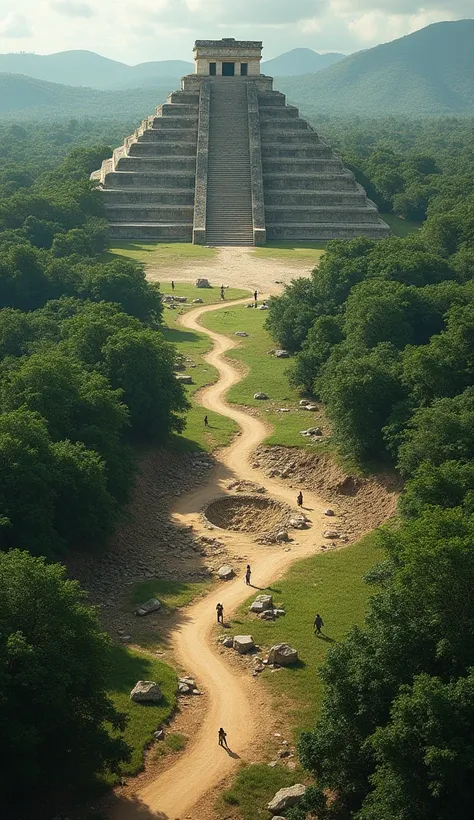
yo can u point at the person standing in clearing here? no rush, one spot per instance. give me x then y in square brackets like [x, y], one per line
[318, 623]
[206, 421]
[222, 292]
[172, 285]
[255, 297]
[248, 573]
[220, 613]
[299, 499]
[222, 738]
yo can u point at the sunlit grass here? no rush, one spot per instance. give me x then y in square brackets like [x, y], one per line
[162, 254]
[292, 252]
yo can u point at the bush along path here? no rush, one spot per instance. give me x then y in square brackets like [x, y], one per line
[204, 765]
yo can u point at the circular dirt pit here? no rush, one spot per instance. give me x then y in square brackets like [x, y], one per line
[247, 513]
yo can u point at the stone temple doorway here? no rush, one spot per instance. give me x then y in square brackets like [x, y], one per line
[228, 69]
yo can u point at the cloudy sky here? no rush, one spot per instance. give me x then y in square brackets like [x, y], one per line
[135, 31]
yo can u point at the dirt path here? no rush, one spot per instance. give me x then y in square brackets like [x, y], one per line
[174, 793]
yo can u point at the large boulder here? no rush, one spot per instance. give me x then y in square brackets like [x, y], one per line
[225, 573]
[298, 522]
[241, 333]
[184, 379]
[149, 606]
[330, 534]
[146, 691]
[286, 798]
[202, 283]
[261, 603]
[283, 654]
[260, 396]
[243, 643]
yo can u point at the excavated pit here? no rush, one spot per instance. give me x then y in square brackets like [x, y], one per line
[247, 513]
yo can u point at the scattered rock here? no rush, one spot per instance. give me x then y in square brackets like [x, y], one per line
[304, 402]
[262, 307]
[261, 396]
[198, 301]
[311, 407]
[153, 605]
[146, 691]
[180, 299]
[279, 612]
[268, 615]
[186, 686]
[228, 642]
[330, 534]
[184, 379]
[298, 522]
[285, 798]
[261, 603]
[282, 536]
[202, 283]
[329, 512]
[159, 734]
[282, 354]
[225, 573]
[272, 765]
[283, 654]
[283, 410]
[241, 333]
[284, 753]
[243, 643]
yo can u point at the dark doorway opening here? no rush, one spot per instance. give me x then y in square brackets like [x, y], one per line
[244, 69]
[228, 69]
[212, 69]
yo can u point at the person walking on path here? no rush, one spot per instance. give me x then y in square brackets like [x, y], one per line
[299, 499]
[318, 623]
[206, 421]
[220, 613]
[255, 297]
[172, 285]
[248, 573]
[222, 292]
[222, 738]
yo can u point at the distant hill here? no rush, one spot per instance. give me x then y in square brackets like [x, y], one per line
[86, 68]
[428, 73]
[24, 97]
[299, 61]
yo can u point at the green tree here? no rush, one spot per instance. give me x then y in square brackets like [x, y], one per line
[450, 484]
[55, 715]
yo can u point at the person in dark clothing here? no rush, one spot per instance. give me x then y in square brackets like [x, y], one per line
[222, 738]
[318, 623]
[299, 499]
[172, 285]
[222, 292]
[206, 421]
[247, 575]
[220, 613]
[255, 297]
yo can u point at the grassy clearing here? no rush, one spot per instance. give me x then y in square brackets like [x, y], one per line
[399, 226]
[253, 788]
[194, 346]
[162, 254]
[303, 253]
[152, 632]
[172, 744]
[266, 373]
[331, 584]
[128, 667]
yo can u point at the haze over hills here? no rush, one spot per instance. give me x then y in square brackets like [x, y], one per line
[299, 61]
[427, 73]
[86, 68]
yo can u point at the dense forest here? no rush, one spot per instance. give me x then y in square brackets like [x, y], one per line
[382, 334]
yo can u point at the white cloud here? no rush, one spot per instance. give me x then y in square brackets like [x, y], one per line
[72, 9]
[15, 26]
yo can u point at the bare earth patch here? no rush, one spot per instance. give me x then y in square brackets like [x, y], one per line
[247, 513]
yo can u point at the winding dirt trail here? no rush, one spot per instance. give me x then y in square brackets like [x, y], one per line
[229, 695]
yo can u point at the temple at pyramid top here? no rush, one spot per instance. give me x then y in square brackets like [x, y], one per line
[226, 161]
[227, 58]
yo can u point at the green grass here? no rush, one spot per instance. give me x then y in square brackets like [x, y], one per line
[172, 744]
[254, 787]
[162, 254]
[172, 594]
[399, 226]
[329, 583]
[128, 667]
[266, 373]
[194, 346]
[292, 252]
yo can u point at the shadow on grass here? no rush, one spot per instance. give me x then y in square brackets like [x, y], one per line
[174, 335]
[326, 638]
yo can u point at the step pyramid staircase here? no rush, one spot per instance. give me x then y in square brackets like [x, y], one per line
[225, 161]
